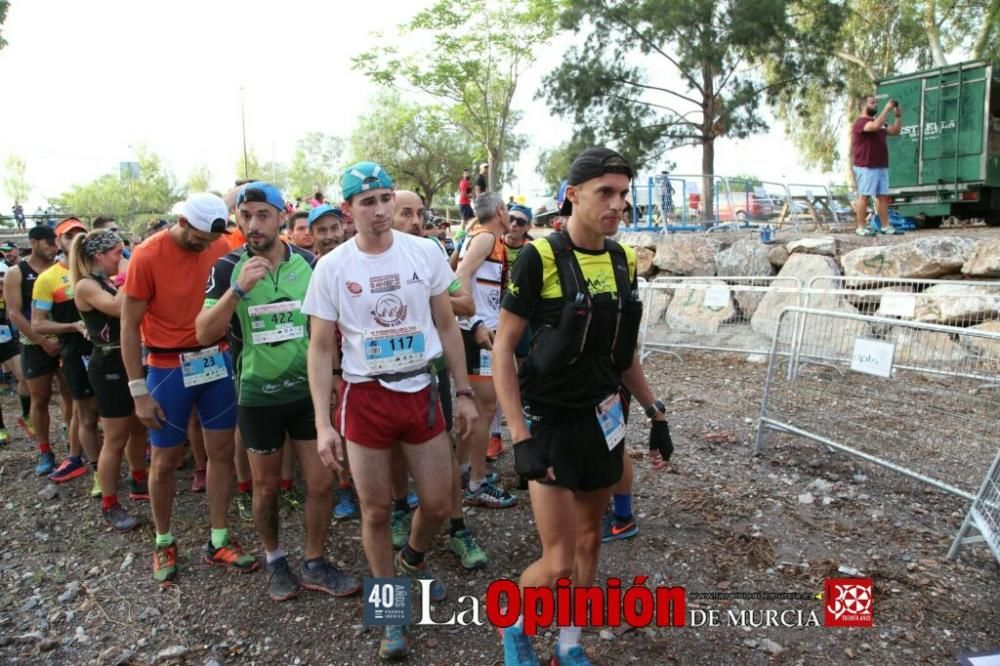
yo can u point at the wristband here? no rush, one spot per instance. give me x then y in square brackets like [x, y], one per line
[137, 388]
[239, 293]
[467, 392]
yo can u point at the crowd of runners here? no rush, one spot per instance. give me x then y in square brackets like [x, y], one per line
[361, 343]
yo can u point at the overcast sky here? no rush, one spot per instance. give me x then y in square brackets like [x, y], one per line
[83, 82]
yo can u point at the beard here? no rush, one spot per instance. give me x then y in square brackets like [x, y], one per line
[871, 111]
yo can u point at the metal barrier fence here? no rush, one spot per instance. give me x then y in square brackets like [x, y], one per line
[736, 314]
[951, 302]
[900, 394]
[983, 514]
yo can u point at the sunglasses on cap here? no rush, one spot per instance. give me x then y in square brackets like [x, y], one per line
[518, 220]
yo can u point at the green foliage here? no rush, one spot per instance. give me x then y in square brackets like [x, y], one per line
[743, 182]
[15, 180]
[4, 6]
[131, 202]
[479, 51]
[619, 81]
[200, 180]
[553, 164]
[418, 145]
[316, 164]
[273, 172]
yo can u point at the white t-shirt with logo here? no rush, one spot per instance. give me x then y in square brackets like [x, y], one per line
[381, 303]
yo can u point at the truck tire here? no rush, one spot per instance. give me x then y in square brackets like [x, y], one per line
[928, 222]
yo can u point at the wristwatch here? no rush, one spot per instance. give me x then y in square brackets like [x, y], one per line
[657, 406]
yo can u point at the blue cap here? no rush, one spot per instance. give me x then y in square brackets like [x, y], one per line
[261, 193]
[523, 210]
[362, 177]
[325, 209]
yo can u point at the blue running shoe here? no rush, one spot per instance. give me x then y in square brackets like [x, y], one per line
[517, 648]
[347, 506]
[615, 529]
[413, 500]
[394, 644]
[575, 656]
[46, 463]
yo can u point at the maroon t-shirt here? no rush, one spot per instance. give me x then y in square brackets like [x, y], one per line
[869, 147]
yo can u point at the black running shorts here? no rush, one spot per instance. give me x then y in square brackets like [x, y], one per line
[578, 452]
[263, 428]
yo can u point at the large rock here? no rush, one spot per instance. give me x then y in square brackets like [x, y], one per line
[986, 347]
[959, 304]
[644, 262]
[825, 245]
[777, 255]
[985, 259]
[701, 307]
[928, 257]
[747, 256]
[803, 267]
[654, 304]
[687, 254]
[637, 239]
[927, 349]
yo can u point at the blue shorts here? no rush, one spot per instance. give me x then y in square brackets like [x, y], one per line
[872, 182]
[215, 401]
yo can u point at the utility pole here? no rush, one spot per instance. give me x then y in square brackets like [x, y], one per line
[243, 119]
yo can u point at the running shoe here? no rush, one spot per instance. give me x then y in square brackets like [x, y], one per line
[230, 556]
[890, 230]
[95, 490]
[400, 527]
[165, 564]
[613, 529]
[118, 519]
[327, 578]
[138, 491]
[4, 437]
[490, 497]
[68, 470]
[517, 648]
[412, 500]
[282, 584]
[423, 572]
[46, 461]
[491, 477]
[198, 480]
[346, 506]
[292, 498]
[394, 644]
[495, 447]
[244, 506]
[27, 426]
[864, 231]
[462, 544]
[575, 656]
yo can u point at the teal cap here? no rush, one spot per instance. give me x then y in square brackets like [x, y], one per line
[362, 177]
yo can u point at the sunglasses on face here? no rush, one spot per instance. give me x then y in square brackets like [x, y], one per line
[519, 221]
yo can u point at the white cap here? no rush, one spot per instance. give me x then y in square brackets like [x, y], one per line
[205, 212]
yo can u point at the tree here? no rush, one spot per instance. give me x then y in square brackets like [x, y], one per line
[416, 144]
[553, 164]
[273, 172]
[316, 163]
[619, 82]
[15, 181]
[480, 50]
[130, 201]
[4, 5]
[199, 180]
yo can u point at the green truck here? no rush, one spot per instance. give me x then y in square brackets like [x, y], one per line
[946, 160]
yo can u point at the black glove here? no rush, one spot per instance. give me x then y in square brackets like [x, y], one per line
[531, 459]
[659, 439]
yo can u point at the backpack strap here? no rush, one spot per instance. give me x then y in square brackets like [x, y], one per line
[571, 277]
[619, 264]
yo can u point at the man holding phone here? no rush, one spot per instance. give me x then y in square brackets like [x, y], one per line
[871, 161]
